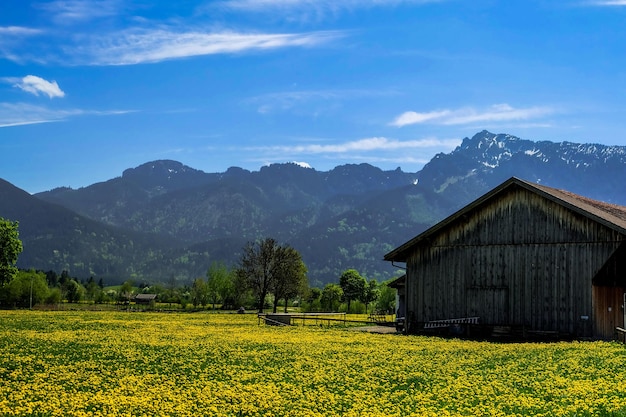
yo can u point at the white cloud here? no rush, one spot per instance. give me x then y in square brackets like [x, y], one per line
[310, 10]
[12, 40]
[19, 114]
[69, 11]
[287, 100]
[37, 85]
[273, 102]
[495, 113]
[411, 117]
[148, 46]
[377, 150]
[361, 145]
[18, 31]
[328, 5]
[608, 3]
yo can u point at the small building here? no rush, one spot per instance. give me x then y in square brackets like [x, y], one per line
[523, 258]
[145, 298]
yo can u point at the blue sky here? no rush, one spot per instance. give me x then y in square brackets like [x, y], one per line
[90, 88]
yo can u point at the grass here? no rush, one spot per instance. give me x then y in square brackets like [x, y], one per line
[84, 363]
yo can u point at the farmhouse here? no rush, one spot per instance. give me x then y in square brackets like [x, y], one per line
[523, 259]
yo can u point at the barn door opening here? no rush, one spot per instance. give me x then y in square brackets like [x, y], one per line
[608, 313]
[608, 288]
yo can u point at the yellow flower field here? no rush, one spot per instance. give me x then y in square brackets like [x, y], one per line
[203, 364]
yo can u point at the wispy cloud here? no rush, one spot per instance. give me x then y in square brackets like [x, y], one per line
[146, 42]
[287, 100]
[149, 46]
[19, 114]
[36, 85]
[307, 10]
[12, 40]
[71, 11]
[18, 31]
[411, 117]
[373, 150]
[607, 3]
[360, 145]
[320, 5]
[495, 113]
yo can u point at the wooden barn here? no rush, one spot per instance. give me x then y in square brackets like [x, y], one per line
[145, 298]
[524, 259]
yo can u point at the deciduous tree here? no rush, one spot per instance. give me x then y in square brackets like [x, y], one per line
[353, 286]
[331, 297]
[74, 291]
[220, 283]
[386, 298]
[92, 290]
[199, 292]
[25, 289]
[291, 279]
[264, 264]
[311, 301]
[10, 248]
[126, 291]
[370, 293]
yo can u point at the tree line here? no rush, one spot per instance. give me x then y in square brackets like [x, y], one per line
[268, 275]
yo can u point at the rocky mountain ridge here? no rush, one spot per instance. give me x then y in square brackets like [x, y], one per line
[164, 220]
[487, 159]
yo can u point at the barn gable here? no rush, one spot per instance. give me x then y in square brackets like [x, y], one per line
[522, 256]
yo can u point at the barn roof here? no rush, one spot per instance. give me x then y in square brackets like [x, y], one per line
[398, 282]
[145, 297]
[610, 215]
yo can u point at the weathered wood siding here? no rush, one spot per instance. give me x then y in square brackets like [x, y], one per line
[517, 260]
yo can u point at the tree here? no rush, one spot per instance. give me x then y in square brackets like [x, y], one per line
[370, 293]
[242, 294]
[74, 291]
[54, 296]
[25, 289]
[331, 297]
[10, 248]
[264, 264]
[65, 277]
[220, 284]
[256, 267]
[386, 298]
[290, 280]
[52, 278]
[312, 300]
[126, 291]
[92, 290]
[353, 286]
[199, 293]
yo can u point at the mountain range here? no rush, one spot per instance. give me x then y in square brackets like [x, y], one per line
[163, 221]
